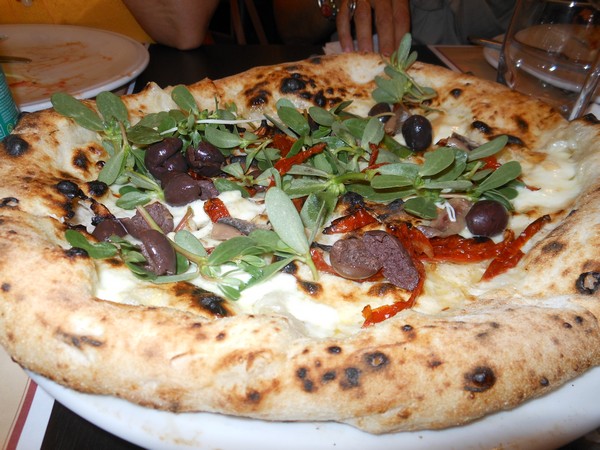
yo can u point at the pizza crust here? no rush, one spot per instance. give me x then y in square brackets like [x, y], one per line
[413, 371]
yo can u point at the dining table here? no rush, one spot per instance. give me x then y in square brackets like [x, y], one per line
[29, 417]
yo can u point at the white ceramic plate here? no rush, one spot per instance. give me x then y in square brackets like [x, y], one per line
[547, 422]
[78, 60]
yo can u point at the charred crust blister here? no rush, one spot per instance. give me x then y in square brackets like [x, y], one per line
[69, 189]
[334, 350]
[310, 287]
[253, 396]
[376, 360]
[97, 188]
[5, 287]
[351, 378]
[15, 145]
[81, 160]
[10, 202]
[480, 379]
[456, 92]
[482, 126]
[76, 252]
[588, 283]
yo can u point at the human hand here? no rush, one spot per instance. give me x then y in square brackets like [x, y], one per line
[392, 21]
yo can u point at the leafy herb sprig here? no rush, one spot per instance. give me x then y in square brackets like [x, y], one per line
[358, 156]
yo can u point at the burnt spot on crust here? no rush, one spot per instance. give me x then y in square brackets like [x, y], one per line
[10, 202]
[78, 341]
[207, 301]
[259, 99]
[328, 376]
[76, 252]
[69, 189]
[588, 283]
[310, 287]
[334, 350]
[221, 336]
[351, 378]
[290, 268]
[514, 140]
[80, 160]
[97, 188]
[544, 381]
[480, 379]
[433, 363]
[456, 92]
[253, 396]
[522, 124]
[5, 287]
[482, 126]
[382, 289]
[553, 248]
[307, 384]
[590, 118]
[15, 145]
[376, 360]
[293, 84]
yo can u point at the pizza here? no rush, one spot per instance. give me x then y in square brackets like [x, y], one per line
[377, 242]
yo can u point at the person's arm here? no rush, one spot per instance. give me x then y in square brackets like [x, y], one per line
[182, 24]
[392, 21]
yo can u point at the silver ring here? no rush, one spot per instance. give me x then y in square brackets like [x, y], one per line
[329, 8]
[352, 7]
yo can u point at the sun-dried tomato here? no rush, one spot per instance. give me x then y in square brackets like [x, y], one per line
[351, 222]
[284, 165]
[511, 254]
[283, 143]
[459, 249]
[215, 209]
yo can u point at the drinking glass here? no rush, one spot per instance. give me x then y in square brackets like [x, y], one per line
[551, 51]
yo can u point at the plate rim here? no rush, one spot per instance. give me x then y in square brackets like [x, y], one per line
[137, 66]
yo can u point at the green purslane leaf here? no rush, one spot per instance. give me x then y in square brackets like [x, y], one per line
[96, 250]
[504, 174]
[421, 207]
[294, 120]
[489, 148]
[182, 96]
[111, 107]
[113, 168]
[69, 106]
[222, 139]
[437, 161]
[286, 221]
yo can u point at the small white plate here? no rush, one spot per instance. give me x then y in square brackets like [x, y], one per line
[547, 422]
[78, 60]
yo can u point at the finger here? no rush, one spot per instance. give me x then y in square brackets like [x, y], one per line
[342, 22]
[362, 23]
[384, 22]
[401, 17]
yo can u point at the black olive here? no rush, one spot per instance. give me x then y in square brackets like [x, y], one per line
[351, 259]
[381, 108]
[181, 189]
[15, 145]
[206, 159]
[108, 227]
[417, 132]
[160, 255]
[487, 218]
[165, 157]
